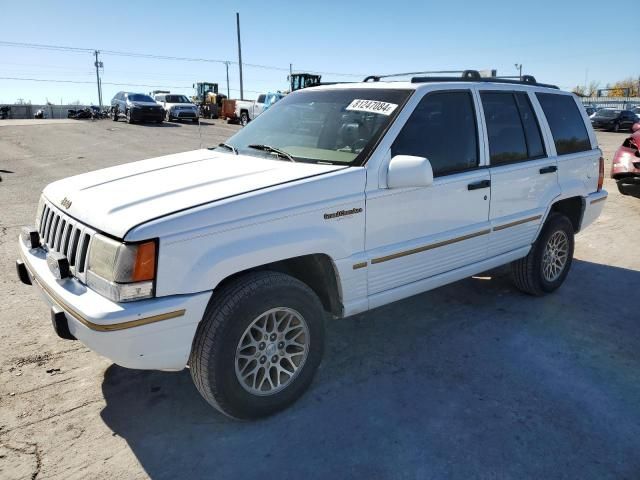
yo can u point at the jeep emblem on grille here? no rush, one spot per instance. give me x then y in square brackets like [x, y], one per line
[66, 203]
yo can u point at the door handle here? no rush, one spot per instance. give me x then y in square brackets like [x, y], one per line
[549, 169]
[478, 185]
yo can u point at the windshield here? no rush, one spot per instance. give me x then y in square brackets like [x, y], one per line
[325, 126]
[608, 113]
[138, 97]
[176, 99]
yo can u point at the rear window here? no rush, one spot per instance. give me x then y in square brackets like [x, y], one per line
[566, 124]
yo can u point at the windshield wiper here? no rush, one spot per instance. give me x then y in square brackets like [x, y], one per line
[229, 147]
[269, 148]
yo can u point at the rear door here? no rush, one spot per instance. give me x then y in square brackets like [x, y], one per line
[524, 178]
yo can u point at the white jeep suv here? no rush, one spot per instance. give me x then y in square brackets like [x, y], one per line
[337, 200]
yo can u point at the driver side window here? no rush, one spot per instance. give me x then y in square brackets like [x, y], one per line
[443, 129]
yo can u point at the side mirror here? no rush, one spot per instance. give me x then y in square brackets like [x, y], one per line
[407, 171]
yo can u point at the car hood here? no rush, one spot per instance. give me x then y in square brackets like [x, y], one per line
[144, 104]
[167, 104]
[116, 199]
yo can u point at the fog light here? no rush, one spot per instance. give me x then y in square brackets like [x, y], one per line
[30, 237]
[59, 265]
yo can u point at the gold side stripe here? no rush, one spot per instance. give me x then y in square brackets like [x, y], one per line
[103, 328]
[519, 222]
[428, 247]
[598, 200]
[359, 265]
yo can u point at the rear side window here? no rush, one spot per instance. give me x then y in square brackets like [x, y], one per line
[443, 129]
[535, 147]
[261, 98]
[566, 124]
[507, 141]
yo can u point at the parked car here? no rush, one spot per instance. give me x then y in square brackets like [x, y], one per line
[177, 107]
[625, 167]
[341, 199]
[247, 110]
[615, 120]
[135, 107]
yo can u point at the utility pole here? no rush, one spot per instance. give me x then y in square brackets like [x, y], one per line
[226, 64]
[98, 64]
[239, 56]
[519, 67]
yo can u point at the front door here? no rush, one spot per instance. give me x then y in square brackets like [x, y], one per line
[416, 233]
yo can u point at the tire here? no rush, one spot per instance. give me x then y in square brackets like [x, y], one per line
[616, 127]
[114, 114]
[528, 273]
[128, 115]
[214, 360]
[167, 116]
[244, 119]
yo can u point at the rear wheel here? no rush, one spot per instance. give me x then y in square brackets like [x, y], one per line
[616, 127]
[114, 114]
[546, 266]
[259, 345]
[244, 119]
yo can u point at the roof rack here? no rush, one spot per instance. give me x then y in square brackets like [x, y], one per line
[466, 76]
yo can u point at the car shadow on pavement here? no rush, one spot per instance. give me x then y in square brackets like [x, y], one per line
[156, 125]
[472, 380]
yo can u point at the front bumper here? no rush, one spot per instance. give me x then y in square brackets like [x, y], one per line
[142, 114]
[182, 114]
[154, 334]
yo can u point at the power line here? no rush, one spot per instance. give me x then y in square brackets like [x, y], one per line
[41, 46]
[81, 82]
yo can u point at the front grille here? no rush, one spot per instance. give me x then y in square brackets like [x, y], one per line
[61, 233]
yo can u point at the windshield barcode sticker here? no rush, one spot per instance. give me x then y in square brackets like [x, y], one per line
[372, 106]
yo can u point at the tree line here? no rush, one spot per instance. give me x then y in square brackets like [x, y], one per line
[622, 88]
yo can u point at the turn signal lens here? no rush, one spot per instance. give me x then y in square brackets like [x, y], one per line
[601, 173]
[145, 263]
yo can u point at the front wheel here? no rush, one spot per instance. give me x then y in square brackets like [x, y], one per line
[616, 127]
[546, 266]
[128, 115]
[114, 114]
[259, 345]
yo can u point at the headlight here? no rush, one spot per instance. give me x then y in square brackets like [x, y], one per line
[120, 271]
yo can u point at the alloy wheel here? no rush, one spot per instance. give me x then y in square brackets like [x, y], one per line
[555, 256]
[272, 351]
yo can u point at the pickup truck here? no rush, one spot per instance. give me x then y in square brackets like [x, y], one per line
[342, 199]
[247, 110]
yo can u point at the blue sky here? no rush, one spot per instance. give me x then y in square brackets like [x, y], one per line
[556, 41]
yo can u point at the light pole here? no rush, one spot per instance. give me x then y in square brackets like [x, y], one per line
[519, 67]
[239, 56]
[98, 65]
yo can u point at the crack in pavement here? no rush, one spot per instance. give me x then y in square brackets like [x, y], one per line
[28, 424]
[35, 450]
